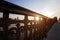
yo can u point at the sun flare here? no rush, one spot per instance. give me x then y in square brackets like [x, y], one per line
[37, 18]
[47, 13]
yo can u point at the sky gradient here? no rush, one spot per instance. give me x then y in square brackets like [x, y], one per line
[48, 8]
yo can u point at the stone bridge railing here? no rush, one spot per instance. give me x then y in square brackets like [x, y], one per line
[24, 29]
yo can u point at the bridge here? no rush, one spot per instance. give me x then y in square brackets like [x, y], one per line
[31, 29]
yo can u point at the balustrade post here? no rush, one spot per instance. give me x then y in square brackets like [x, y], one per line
[44, 28]
[30, 35]
[18, 30]
[5, 24]
[39, 28]
[34, 28]
[25, 28]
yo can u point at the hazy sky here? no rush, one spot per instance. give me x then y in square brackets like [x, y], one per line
[49, 8]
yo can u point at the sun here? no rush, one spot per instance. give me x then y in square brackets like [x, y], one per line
[47, 13]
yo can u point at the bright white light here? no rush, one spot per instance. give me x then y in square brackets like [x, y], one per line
[13, 16]
[1, 14]
[41, 18]
[30, 18]
[37, 18]
[47, 13]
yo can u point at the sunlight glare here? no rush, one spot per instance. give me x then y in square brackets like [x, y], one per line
[41, 18]
[47, 13]
[37, 18]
